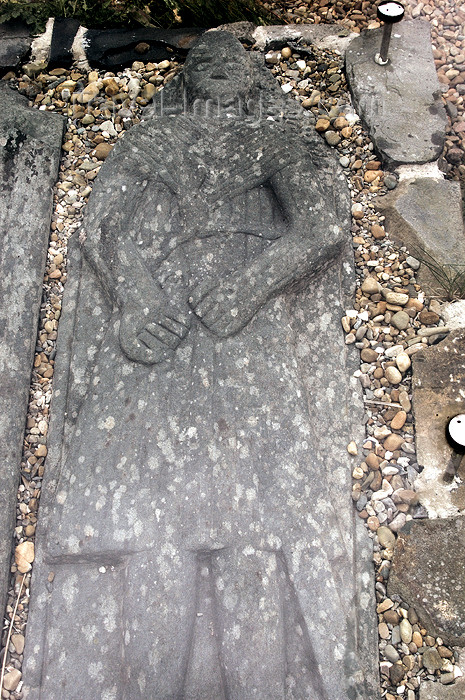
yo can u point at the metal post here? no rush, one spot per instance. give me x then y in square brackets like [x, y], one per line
[390, 12]
[382, 56]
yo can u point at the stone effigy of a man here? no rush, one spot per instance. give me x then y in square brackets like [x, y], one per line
[198, 521]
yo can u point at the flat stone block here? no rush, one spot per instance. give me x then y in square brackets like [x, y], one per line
[438, 395]
[30, 147]
[332, 36]
[428, 572]
[400, 103]
[425, 214]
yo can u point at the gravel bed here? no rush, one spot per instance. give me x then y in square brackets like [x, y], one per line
[391, 320]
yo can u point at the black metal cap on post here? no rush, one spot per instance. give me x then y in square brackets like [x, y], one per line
[389, 12]
[455, 433]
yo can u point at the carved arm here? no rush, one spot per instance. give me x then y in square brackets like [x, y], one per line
[151, 325]
[314, 239]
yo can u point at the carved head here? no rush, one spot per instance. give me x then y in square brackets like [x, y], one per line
[218, 68]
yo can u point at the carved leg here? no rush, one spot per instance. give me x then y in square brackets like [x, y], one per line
[158, 621]
[250, 624]
[120, 632]
[316, 603]
[82, 645]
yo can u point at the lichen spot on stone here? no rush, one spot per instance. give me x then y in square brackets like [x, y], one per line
[110, 694]
[107, 424]
[95, 669]
[248, 551]
[69, 589]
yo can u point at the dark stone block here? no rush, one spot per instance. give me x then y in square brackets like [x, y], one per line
[111, 48]
[198, 496]
[30, 147]
[15, 44]
[64, 31]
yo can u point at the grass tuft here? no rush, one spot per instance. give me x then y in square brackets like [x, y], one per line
[450, 278]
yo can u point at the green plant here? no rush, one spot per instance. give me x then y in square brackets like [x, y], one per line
[450, 278]
[209, 13]
[92, 13]
[130, 13]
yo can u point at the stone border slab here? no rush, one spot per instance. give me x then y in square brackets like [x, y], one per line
[400, 103]
[425, 214]
[436, 691]
[428, 571]
[112, 48]
[30, 148]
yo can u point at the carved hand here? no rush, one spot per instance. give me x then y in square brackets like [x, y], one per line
[150, 333]
[226, 307]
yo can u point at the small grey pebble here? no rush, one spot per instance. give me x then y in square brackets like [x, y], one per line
[390, 181]
[412, 262]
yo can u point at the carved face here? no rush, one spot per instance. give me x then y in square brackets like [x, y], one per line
[218, 68]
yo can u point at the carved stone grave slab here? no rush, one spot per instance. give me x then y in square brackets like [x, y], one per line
[198, 538]
[30, 146]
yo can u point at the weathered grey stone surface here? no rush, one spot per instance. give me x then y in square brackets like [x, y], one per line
[400, 103]
[439, 395]
[436, 691]
[197, 515]
[334, 36]
[428, 572]
[30, 145]
[243, 31]
[426, 215]
[15, 43]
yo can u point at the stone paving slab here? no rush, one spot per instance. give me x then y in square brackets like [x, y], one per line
[425, 214]
[428, 572]
[30, 146]
[438, 395]
[400, 103]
